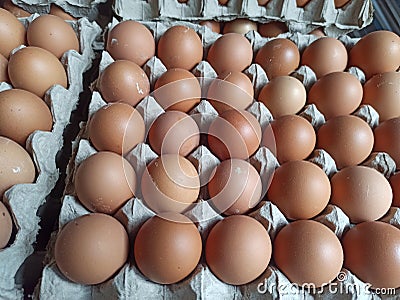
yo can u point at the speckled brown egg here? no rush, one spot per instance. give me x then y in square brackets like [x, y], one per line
[6, 226]
[4, 69]
[386, 136]
[395, 184]
[371, 252]
[308, 252]
[12, 33]
[91, 249]
[272, 29]
[241, 26]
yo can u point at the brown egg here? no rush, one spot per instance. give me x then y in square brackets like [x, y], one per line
[130, 40]
[376, 52]
[362, 193]
[272, 29]
[223, 2]
[15, 10]
[382, 93]
[12, 33]
[91, 249]
[395, 184]
[231, 52]
[16, 165]
[230, 90]
[336, 94]
[36, 70]
[289, 137]
[318, 32]
[283, 95]
[53, 34]
[278, 57]
[174, 132]
[341, 3]
[170, 183]
[4, 69]
[386, 136]
[371, 251]
[123, 81]
[234, 134]
[300, 189]
[167, 248]
[177, 89]
[116, 127]
[21, 113]
[308, 252]
[6, 226]
[235, 187]
[302, 3]
[348, 139]
[238, 249]
[262, 2]
[180, 47]
[325, 55]
[241, 26]
[213, 25]
[104, 182]
[59, 12]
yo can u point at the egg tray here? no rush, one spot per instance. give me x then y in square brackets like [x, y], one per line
[129, 283]
[24, 200]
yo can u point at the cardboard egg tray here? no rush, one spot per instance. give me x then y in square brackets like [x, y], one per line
[129, 283]
[317, 13]
[24, 200]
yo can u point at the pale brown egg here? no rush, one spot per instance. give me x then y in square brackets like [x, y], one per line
[308, 252]
[231, 52]
[174, 132]
[241, 26]
[234, 134]
[300, 189]
[348, 139]
[167, 248]
[123, 81]
[180, 47]
[371, 252]
[170, 183]
[336, 94]
[104, 182]
[362, 193]
[36, 70]
[91, 249]
[376, 52]
[21, 113]
[395, 184]
[272, 29]
[12, 33]
[15, 10]
[325, 55]
[4, 69]
[16, 165]
[289, 137]
[213, 25]
[116, 127]
[177, 89]
[59, 12]
[230, 90]
[382, 92]
[283, 95]
[278, 57]
[235, 187]
[6, 226]
[130, 40]
[238, 249]
[386, 136]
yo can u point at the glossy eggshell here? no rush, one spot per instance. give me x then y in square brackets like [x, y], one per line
[300, 189]
[167, 248]
[180, 47]
[15, 10]
[6, 226]
[241, 26]
[308, 252]
[36, 70]
[278, 57]
[234, 134]
[362, 193]
[59, 12]
[213, 25]
[4, 69]
[16, 165]
[395, 184]
[12, 33]
[272, 29]
[371, 251]
[238, 249]
[104, 182]
[91, 249]
[235, 187]
[387, 135]
[130, 40]
[116, 127]
[348, 139]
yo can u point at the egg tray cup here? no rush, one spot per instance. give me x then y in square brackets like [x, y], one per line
[129, 283]
[24, 200]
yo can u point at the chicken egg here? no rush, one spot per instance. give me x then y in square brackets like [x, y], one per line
[6, 226]
[12, 33]
[15, 10]
[55, 10]
[4, 69]
[213, 25]
[241, 26]
[272, 29]
[387, 135]
[395, 184]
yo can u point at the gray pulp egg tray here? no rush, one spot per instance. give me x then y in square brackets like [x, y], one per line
[129, 283]
[24, 200]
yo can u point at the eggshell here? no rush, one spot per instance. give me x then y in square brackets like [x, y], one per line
[241, 26]
[272, 29]
[386, 136]
[371, 251]
[395, 184]
[4, 69]
[91, 249]
[302, 3]
[12, 33]
[59, 12]
[167, 248]
[213, 25]
[238, 249]
[15, 10]
[6, 226]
